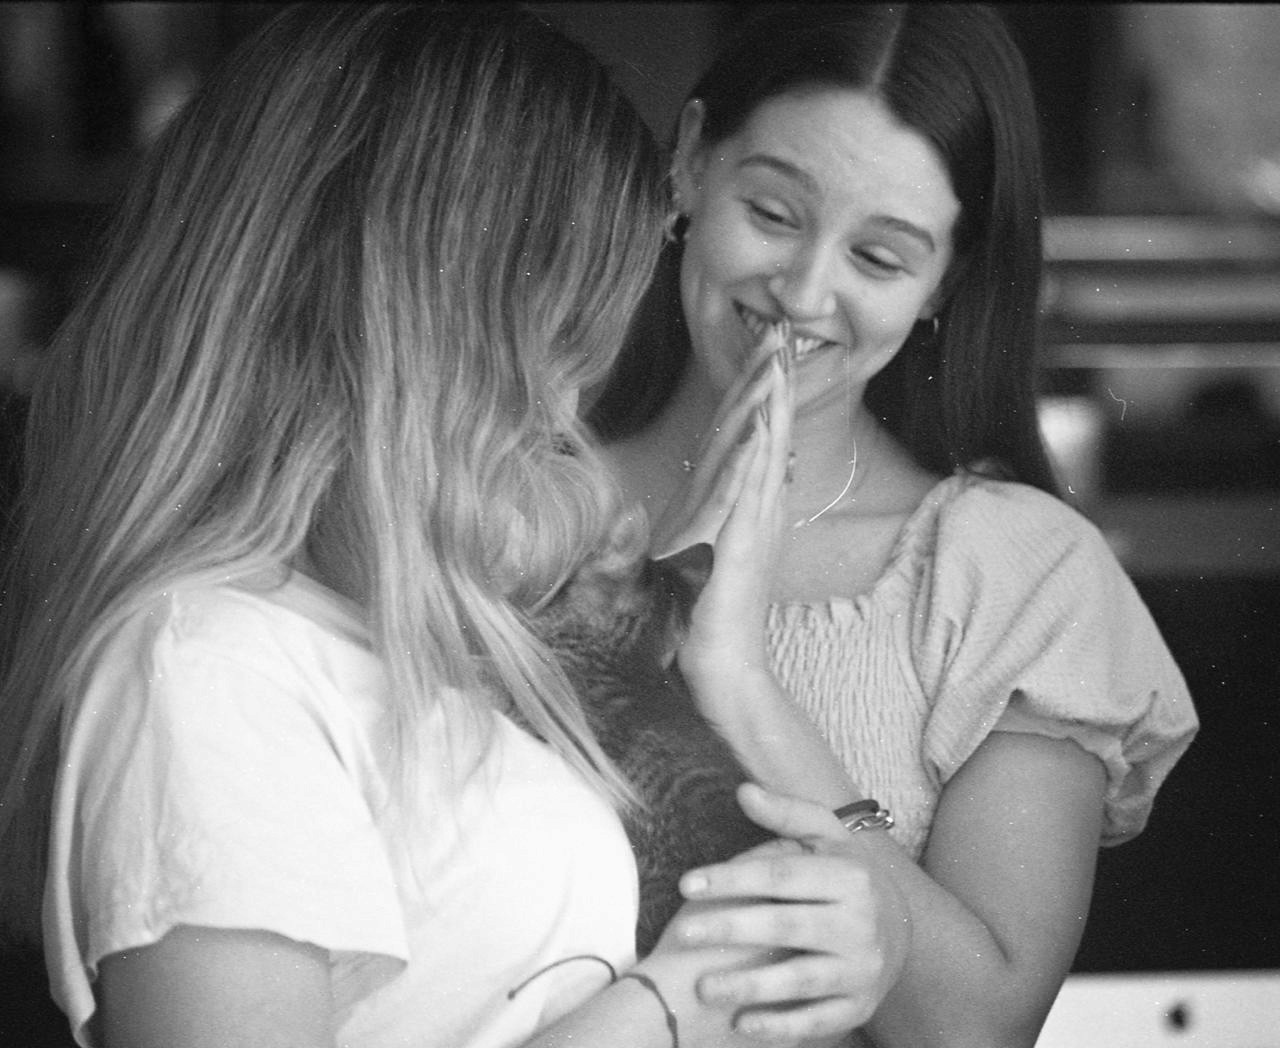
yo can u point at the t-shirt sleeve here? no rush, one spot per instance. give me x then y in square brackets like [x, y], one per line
[205, 783]
[1028, 623]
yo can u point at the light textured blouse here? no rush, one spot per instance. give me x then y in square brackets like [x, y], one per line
[1001, 609]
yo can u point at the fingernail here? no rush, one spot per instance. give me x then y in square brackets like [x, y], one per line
[693, 883]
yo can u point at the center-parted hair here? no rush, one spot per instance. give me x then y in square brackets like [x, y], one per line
[334, 323]
[953, 74]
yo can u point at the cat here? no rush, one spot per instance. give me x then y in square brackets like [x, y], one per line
[615, 627]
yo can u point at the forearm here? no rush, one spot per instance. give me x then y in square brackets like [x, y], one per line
[999, 900]
[970, 946]
[772, 737]
[626, 1015]
[960, 986]
[629, 1014]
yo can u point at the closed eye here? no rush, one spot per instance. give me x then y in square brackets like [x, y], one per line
[768, 215]
[885, 264]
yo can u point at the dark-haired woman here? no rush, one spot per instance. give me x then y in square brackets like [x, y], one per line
[865, 179]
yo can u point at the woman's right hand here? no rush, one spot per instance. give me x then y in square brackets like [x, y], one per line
[725, 642]
[679, 968]
[806, 933]
[699, 511]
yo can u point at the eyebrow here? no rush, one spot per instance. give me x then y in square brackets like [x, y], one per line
[797, 174]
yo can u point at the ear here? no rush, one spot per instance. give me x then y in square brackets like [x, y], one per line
[687, 165]
[692, 565]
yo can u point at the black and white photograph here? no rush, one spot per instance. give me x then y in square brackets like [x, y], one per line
[639, 525]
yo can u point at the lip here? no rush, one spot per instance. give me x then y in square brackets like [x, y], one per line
[803, 342]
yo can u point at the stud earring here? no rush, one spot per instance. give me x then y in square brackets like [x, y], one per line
[674, 225]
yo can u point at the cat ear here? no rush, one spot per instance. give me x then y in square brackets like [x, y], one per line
[692, 564]
[624, 547]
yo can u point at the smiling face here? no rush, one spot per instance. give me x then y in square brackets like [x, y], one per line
[822, 208]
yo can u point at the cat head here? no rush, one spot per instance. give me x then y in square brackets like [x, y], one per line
[623, 602]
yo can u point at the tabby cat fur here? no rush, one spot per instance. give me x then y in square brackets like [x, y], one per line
[615, 628]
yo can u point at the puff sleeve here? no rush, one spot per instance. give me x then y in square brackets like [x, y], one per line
[1027, 622]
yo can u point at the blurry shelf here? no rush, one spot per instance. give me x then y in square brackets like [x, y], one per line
[1144, 280]
[1141, 298]
[1193, 536]
[1193, 355]
[1064, 329]
[1160, 240]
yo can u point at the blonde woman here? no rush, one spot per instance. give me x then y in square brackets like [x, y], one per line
[295, 472]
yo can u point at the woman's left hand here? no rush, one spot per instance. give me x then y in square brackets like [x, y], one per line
[833, 907]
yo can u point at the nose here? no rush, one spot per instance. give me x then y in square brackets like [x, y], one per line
[804, 284]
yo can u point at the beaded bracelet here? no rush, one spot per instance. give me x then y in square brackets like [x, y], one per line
[652, 987]
[864, 815]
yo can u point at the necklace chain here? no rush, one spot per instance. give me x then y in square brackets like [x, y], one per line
[689, 465]
[804, 522]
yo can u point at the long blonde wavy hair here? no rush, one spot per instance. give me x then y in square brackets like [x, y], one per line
[333, 324]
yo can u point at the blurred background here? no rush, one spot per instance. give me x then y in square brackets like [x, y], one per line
[1161, 387]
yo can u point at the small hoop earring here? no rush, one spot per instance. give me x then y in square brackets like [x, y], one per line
[935, 325]
[673, 227]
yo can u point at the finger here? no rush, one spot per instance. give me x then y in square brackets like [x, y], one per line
[736, 546]
[791, 877]
[705, 518]
[777, 925]
[798, 978]
[779, 411]
[750, 388]
[760, 506]
[788, 816]
[713, 487]
[822, 1018]
[775, 846]
[735, 419]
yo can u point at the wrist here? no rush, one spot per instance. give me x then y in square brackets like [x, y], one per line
[675, 973]
[650, 986]
[733, 689]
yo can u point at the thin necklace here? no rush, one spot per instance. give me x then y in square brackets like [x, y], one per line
[804, 522]
[688, 465]
[853, 469]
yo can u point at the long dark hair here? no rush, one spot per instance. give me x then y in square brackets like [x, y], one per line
[965, 397]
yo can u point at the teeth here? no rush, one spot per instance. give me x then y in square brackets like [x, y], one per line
[758, 325]
[754, 322]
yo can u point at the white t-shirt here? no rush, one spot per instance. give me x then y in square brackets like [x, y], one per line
[222, 769]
